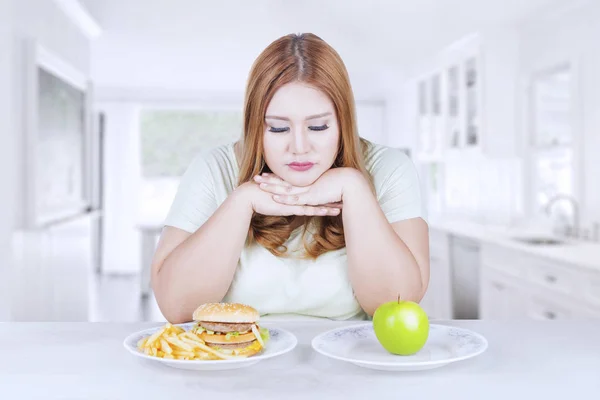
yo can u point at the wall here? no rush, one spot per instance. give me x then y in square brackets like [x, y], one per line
[20, 20]
[573, 36]
[400, 109]
[41, 20]
[7, 138]
[121, 239]
[492, 189]
[483, 186]
[486, 190]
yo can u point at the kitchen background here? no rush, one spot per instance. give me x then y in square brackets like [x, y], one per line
[104, 103]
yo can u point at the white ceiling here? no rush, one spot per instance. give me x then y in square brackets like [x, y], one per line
[210, 45]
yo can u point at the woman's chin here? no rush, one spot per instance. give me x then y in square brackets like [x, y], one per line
[300, 181]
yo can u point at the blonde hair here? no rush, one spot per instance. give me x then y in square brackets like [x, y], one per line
[309, 59]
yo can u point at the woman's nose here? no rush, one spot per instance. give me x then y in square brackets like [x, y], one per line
[300, 142]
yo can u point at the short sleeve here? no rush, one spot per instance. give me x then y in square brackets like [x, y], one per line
[195, 200]
[398, 186]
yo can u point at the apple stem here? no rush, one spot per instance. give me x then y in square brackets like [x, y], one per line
[398, 299]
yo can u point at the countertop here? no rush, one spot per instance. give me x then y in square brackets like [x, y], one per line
[524, 360]
[578, 253]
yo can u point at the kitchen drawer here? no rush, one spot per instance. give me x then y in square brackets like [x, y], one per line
[554, 277]
[504, 260]
[544, 309]
[502, 297]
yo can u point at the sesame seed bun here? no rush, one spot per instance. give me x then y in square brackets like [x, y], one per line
[226, 312]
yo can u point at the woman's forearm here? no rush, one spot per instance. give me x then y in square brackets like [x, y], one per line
[201, 269]
[381, 266]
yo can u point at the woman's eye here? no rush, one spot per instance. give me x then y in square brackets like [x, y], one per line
[278, 130]
[318, 128]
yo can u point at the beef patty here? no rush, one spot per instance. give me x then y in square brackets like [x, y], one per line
[226, 327]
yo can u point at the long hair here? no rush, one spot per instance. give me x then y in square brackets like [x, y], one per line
[309, 59]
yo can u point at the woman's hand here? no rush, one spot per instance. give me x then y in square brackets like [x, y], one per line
[262, 202]
[328, 190]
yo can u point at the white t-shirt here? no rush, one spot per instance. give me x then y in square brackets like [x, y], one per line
[278, 286]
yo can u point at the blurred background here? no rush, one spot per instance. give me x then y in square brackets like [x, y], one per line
[104, 103]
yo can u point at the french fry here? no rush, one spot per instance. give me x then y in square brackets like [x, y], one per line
[179, 343]
[205, 356]
[141, 343]
[156, 335]
[216, 353]
[165, 346]
[183, 353]
[192, 343]
[193, 337]
[178, 329]
[174, 342]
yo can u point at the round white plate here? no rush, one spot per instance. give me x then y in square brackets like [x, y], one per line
[280, 342]
[358, 345]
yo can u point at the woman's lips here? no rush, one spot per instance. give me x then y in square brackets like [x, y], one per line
[301, 166]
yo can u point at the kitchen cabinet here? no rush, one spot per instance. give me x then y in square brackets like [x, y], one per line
[52, 271]
[466, 266]
[437, 301]
[516, 285]
[466, 99]
[471, 278]
[502, 297]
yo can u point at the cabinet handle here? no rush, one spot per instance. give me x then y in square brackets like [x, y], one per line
[549, 315]
[498, 286]
[550, 279]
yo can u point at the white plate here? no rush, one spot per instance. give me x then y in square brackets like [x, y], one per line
[280, 342]
[358, 345]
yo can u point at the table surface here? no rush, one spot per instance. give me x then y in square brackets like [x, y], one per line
[525, 359]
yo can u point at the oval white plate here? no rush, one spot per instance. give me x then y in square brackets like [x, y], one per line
[358, 345]
[281, 342]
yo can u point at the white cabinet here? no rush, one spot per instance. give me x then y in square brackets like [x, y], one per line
[509, 284]
[466, 266]
[548, 307]
[52, 272]
[517, 285]
[467, 98]
[437, 301]
[502, 297]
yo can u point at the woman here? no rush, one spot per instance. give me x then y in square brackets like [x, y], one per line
[301, 216]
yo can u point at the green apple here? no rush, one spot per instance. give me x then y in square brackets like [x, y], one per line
[402, 327]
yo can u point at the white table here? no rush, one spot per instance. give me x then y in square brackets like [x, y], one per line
[525, 360]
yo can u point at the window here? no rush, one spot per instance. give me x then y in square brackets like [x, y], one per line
[170, 140]
[551, 140]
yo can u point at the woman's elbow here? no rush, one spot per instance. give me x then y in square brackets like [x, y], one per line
[170, 306]
[176, 317]
[173, 312]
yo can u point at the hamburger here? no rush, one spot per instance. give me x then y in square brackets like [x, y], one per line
[230, 328]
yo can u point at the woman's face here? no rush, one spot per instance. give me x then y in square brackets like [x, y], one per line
[301, 134]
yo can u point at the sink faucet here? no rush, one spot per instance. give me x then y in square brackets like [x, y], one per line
[548, 208]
